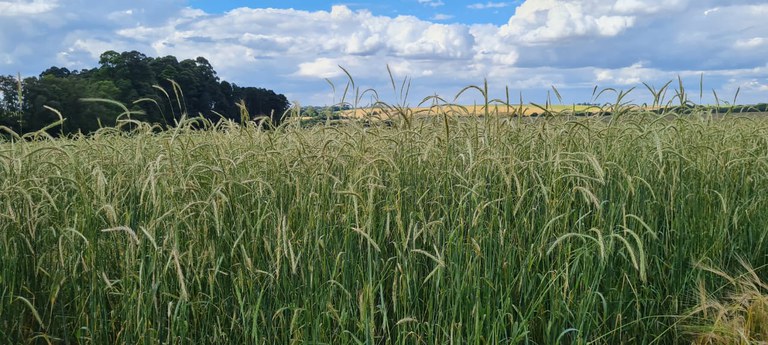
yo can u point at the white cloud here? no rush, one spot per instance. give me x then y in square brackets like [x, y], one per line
[552, 20]
[634, 7]
[572, 44]
[626, 76]
[490, 4]
[23, 8]
[750, 43]
[711, 10]
[340, 31]
[754, 84]
[320, 68]
[432, 3]
[613, 25]
[441, 17]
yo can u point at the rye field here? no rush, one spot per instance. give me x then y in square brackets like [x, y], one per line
[636, 229]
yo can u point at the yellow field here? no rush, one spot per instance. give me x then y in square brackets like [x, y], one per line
[457, 110]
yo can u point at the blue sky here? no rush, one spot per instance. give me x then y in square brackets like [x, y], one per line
[528, 46]
[450, 11]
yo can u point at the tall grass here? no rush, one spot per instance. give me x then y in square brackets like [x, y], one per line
[438, 230]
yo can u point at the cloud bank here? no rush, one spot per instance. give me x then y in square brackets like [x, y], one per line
[573, 45]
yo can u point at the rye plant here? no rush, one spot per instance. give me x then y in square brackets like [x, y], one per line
[440, 229]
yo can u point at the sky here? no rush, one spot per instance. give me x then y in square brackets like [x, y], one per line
[525, 46]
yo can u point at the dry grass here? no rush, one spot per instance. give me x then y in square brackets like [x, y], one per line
[738, 317]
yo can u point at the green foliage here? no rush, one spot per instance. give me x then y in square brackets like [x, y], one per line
[66, 94]
[143, 84]
[11, 102]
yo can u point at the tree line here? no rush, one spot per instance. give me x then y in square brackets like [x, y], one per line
[155, 90]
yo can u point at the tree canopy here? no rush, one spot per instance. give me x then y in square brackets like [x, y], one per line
[156, 90]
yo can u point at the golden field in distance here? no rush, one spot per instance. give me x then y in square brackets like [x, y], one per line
[385, 112]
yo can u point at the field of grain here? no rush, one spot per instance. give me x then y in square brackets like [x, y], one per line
[387, 112]
[635, 230]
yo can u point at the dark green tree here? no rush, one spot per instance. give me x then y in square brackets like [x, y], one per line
[66, 95]
[262, 102]
[156, 90]
[11, 103]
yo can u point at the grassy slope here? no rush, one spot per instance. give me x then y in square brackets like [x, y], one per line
[463, 231]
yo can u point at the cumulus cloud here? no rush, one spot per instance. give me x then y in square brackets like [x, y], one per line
[441, 17]
[552, 20]
[340, 31]
[625, 76]
[320, 68]
[38, 34]
[490, 4]
[639, 7]
[23, 8]
[432, 3]
[572, 44]
[251, 46]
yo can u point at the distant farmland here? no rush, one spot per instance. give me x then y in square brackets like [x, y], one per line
[468, 110]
